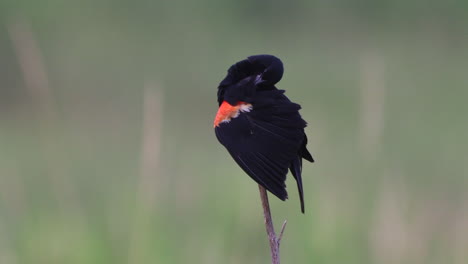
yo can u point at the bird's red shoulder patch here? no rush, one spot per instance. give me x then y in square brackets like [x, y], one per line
[227, 111]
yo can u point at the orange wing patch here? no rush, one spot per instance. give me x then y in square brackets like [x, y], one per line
[227, 111]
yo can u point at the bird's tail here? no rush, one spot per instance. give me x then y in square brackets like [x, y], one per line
[296, 170]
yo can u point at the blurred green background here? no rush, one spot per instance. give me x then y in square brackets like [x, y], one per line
[108, 154]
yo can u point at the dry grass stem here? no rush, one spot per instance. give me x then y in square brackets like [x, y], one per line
[149, 166]
[372, 102]
[34, 73]
[274, 240]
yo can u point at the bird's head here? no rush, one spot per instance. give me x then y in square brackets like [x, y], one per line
[258, 72]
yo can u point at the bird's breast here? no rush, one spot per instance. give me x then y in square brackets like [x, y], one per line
[227, 112]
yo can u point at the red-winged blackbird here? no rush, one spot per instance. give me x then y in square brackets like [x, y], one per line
[259, 126]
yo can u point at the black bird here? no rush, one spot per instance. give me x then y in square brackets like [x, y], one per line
[259, 126]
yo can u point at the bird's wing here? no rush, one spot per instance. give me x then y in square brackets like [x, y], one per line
[265, 141]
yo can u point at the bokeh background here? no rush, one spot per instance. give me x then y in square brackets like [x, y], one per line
[108, 155]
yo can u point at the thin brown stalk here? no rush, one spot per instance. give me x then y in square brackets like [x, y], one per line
[149, 167]
[372, 102]
[274, 240]
[34, 71]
